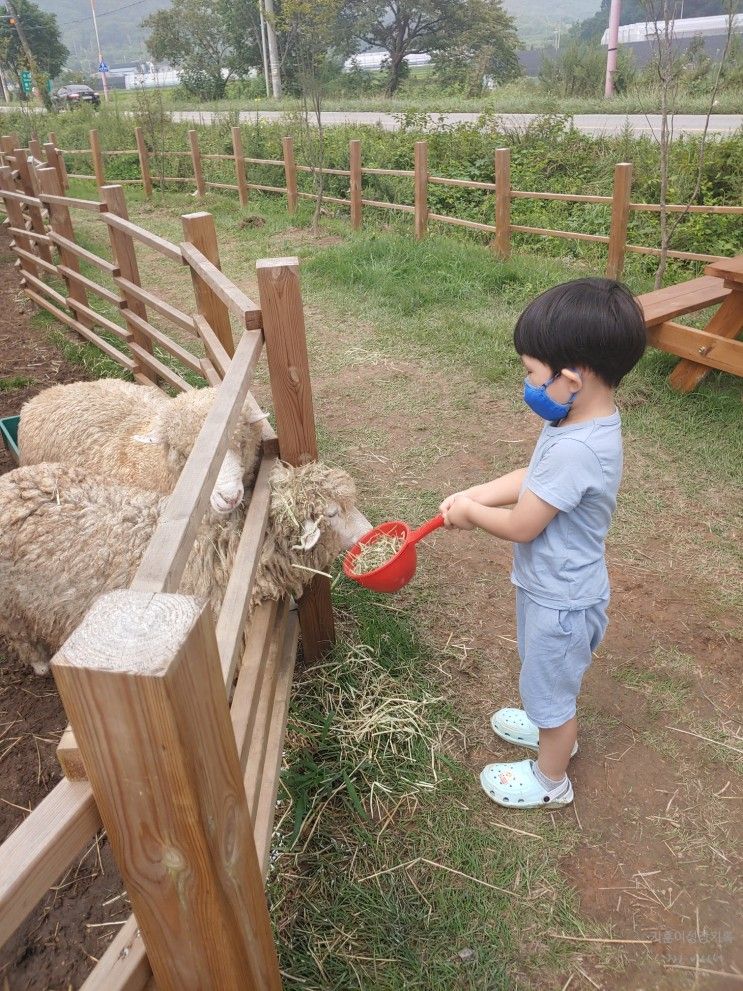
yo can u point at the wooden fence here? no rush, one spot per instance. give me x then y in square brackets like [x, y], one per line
[184, 785]
[501, 189]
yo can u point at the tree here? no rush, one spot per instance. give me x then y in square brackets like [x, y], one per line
[667, 66]
[203, 37]
[317, 36]
[42, 33]
[483, 50]
[410, 27]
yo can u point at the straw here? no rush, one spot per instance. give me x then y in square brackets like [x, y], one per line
[376, 553]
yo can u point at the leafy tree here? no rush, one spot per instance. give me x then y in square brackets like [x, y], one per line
[202, 37]
[410, 27]
[483, 50]
[42, 32]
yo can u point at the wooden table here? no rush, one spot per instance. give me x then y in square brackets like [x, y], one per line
[715, 346]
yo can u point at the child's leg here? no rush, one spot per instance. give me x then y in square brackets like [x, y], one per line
[555, 749]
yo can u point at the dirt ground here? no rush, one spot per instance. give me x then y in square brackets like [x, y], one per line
[657, 812]
[57, 945]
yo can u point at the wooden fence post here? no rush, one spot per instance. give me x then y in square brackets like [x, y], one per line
[502, 242]
[200, 230]
[55, 161]
[97, 156]
[34, 146]
[26, 174]
[354, 159]
[237, 151]
[421, 189]
[30, 183]
[289, 372]
[193, 140]
[144, 161]
[61, 223]
[619, 219]
[141, 681]
[17, 219]
[60, 163]
[9, 143]
[290, 171]
[125, 258]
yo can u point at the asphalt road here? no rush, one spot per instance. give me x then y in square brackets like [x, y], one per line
[587, 123]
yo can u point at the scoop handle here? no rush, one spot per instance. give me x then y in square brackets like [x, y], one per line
[428, 527]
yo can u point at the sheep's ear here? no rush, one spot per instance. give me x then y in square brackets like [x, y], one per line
[152, 437]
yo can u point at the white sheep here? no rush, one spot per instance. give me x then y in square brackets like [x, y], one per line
[135, 435]
[67, 536]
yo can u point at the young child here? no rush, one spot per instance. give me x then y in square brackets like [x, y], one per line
[577, 341]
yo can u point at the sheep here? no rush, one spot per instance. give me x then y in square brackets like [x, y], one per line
[135, 435]
[68, 536]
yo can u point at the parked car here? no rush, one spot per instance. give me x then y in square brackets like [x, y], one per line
[75, 96]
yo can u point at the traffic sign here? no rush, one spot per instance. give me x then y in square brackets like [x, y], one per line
[26, 81]
[103, 67]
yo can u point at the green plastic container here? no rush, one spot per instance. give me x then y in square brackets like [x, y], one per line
[9, 430]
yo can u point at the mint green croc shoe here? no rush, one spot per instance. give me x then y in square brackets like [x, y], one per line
[515, 726]
[514, 785]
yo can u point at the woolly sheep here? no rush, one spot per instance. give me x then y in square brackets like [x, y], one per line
[134, 434]
[68, 536]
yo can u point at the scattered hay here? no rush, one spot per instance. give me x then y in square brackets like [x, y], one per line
[376, 553]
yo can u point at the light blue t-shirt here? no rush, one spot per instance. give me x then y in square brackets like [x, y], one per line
[577, 469]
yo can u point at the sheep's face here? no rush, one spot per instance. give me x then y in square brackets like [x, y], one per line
[313, 512]
[177, 428]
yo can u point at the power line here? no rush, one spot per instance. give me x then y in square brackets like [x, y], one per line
[105, 13]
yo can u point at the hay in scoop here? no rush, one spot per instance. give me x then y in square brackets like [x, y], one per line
[373, 555]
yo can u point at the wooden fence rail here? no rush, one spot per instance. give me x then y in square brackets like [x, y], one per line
[620, 202]
[218, 936]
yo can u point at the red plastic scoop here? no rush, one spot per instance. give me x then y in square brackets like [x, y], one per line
[393, 574]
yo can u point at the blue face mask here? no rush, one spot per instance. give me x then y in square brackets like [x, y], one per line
[536, 398]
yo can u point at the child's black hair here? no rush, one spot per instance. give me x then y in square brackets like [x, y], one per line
[587, 323]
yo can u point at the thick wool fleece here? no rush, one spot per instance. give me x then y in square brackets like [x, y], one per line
[68, 536]
[92, 425]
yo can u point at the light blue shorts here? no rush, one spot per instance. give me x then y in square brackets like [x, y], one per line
[555, 647]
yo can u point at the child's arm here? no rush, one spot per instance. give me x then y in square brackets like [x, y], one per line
[503, 491]
[521, 524]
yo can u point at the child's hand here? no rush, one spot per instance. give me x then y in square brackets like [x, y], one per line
[448, 503]
[458, 513]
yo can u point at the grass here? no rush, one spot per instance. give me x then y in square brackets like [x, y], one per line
[420, 95]
[13, 382]
[372, 783]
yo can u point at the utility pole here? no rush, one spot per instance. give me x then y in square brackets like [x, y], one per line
[611, 55]
[100, 53]
[32, 63]
[273, 50]
[264, 48]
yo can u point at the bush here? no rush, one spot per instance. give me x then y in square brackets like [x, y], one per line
[580, 70]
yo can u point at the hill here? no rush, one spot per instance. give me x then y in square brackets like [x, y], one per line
[122, 38]
[538, 22]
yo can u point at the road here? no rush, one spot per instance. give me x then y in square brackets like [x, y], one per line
[595, 124]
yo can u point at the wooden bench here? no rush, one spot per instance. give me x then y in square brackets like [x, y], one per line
[686, 297]
[699, 350]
